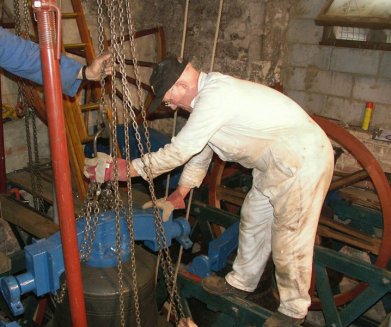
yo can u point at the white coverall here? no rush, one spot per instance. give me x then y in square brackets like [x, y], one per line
[292, 162]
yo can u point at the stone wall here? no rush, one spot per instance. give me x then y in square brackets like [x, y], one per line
[270, 42]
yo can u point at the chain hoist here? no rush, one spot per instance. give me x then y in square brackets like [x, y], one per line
[119, 15]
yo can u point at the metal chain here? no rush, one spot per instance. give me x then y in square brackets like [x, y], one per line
[115, 14]
[35, 175]
[130, 214]
[166, 261]
[111, 5]
[90, 210]
[36, 164]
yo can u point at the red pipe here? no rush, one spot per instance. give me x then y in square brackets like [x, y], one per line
[50, 54]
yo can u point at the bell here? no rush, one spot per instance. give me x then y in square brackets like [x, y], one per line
[101, 294]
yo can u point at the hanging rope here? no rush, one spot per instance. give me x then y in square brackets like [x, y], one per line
[174, 124]
[216, 35]
[211, 68]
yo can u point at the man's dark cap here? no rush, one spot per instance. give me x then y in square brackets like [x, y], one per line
[163, 77]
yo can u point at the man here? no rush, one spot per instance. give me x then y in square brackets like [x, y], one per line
[292, 162]
[22, 58]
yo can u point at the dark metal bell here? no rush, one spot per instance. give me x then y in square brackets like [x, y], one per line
[101, 293]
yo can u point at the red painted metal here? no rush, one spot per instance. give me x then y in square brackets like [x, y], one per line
[50, 53]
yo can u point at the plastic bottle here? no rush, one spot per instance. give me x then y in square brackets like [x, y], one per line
[367, 116]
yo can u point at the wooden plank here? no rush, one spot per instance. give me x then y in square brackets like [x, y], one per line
[337, 231]
[26, 218]
[22, 180]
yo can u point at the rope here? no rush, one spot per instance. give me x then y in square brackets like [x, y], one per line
[184, 28]
[191, 191]
[216, 35]
[185, 18]
[181, 56]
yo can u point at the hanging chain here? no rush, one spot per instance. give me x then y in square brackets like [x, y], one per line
[94, 203]
[111, 5]
[116, 23]
[25, 107]
[166, 261]
[129, 217]
[36, 172]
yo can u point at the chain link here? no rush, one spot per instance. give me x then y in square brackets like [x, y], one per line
[28, 109]
[166, 261]
[111, 193]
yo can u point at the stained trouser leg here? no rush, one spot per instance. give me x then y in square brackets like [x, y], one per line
[254, 241]
[297, 209]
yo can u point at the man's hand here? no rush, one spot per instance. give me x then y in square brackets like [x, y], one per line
[174, 201]
[100, 65]
[101, 168]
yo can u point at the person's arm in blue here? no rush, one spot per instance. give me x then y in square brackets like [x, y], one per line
[22, 58]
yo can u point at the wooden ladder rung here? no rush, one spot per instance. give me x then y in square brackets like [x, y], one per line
[71, 46]
[89, 107]
[88, 139]
[70, 15]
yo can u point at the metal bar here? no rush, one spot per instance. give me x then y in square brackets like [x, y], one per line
[50, 50]
[361, 304]
[329, 308]
[355, 268]
[243, 312]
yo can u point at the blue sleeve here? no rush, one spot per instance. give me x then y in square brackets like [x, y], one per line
[22, 58]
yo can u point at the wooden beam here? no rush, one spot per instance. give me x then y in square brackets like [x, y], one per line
[26, 218]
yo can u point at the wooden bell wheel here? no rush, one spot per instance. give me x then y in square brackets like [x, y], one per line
[150, 46]
[223, 195]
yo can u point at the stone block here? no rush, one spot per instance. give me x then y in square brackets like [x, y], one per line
[381, 118]
[385, 65]
[328, 83]
[356, 61]
[311, 103]
[304, 31]
[294, 79]
[303, 55]
[372, 89]
[345, 110]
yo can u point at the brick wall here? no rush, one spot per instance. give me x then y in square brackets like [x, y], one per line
[331, 81]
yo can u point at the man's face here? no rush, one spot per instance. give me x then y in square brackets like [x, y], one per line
[175, 98]
[169, 100]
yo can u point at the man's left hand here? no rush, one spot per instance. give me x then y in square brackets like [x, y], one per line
[174, 201]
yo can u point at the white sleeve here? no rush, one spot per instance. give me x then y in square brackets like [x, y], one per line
[207, 117]
[195, 170]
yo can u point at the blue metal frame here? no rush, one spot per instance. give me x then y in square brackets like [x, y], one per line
[44, 258]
